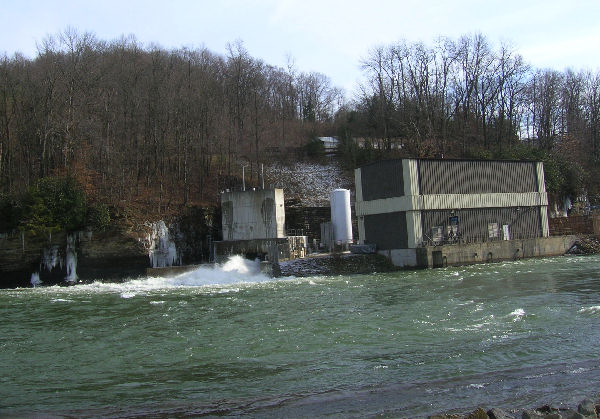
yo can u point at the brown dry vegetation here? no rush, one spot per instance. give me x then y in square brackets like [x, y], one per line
[149, 131]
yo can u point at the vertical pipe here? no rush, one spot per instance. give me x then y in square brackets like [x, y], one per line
[243, 178]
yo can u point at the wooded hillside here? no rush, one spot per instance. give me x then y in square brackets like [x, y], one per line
[146, 125]
[142, 127]
[466, 98]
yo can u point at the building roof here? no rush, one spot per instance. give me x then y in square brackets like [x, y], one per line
[449, 160]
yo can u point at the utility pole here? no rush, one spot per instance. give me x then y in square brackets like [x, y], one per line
[244, 176]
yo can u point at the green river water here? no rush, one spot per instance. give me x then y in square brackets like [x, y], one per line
[231, 343]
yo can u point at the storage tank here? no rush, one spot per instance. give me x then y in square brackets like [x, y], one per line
[340, 216]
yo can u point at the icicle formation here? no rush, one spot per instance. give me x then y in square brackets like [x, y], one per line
[35, 279]
[71, 259]
[50, 259]
[162, 251]
[54, 261]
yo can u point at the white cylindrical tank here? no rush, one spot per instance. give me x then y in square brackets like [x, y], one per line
[340, 216]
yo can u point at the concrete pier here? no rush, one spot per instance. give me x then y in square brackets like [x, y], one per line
[487, 252]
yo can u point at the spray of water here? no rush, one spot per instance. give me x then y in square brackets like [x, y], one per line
[236, 270]
[238, 265]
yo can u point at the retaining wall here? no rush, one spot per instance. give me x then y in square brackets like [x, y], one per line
[575, 224]
[485, 252]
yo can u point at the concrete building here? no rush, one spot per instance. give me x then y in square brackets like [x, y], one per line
[424, 213]
[253, 214]
[253, 225]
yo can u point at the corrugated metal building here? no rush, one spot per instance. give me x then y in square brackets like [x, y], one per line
[407, 204]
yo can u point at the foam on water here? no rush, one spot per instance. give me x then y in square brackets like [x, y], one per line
[241, 266]
[236, 270]
[61, 300]
[517, 314]
[590, 310]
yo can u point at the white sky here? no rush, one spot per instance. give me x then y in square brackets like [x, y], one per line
[328, 36]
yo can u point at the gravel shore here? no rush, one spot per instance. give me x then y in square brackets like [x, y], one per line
[586, 409]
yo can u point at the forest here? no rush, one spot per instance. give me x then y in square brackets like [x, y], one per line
[464, 99]
[143, 129]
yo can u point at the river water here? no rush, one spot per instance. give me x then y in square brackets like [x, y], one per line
[227, 341]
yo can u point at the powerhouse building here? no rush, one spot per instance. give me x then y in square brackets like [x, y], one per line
[405, 205]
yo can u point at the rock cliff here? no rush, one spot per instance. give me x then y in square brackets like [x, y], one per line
[110, 255]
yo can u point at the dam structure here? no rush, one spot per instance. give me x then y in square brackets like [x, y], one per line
[439, 212]
[253, 225]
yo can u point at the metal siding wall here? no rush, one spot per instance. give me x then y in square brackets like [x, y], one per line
[382, 180]
[474, 177]
[358, 184]
[473, 223]
[540, 177]
[387, 231]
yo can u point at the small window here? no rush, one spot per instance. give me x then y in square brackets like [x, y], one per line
[437, 234]
[493, 231]
[505, 232]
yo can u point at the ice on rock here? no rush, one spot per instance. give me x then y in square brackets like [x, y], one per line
[162, 250]
[71, 259]
[50, 258]
[54, 257]
[35, 279]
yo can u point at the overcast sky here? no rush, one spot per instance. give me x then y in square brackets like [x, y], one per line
[327, 36]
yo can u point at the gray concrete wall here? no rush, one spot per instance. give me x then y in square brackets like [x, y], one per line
[501, 250]
[466, 254]
[253, 214]
[403, 258]
[273, 250]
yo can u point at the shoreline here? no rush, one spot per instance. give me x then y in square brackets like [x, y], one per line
[587, 408]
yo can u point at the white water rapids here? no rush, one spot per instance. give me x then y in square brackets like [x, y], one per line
[236, 270]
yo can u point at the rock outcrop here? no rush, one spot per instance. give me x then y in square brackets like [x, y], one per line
[109, 255]
[585, 245]
[587, 409]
